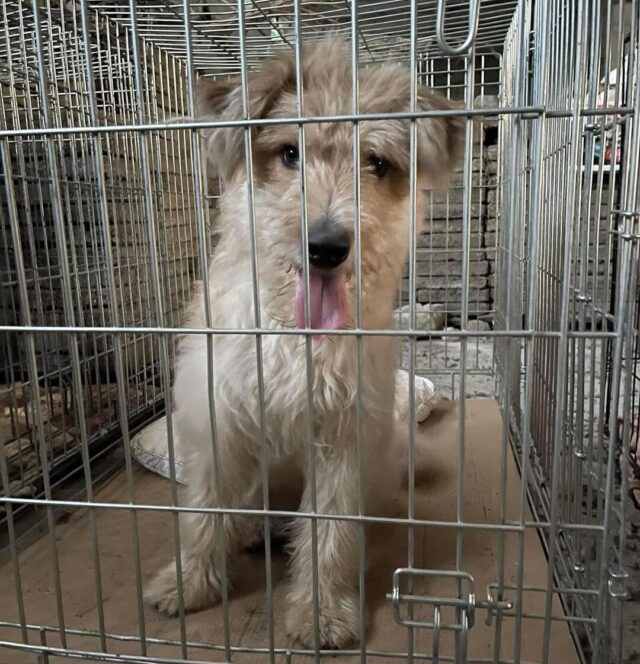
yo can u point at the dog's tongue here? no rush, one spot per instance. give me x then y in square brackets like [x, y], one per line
[327, 301]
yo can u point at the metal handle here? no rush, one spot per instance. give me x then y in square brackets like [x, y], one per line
[443, 44]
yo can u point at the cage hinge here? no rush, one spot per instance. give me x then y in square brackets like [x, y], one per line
[463, 602]
[632, 214]
[618, 583]
[631, 219]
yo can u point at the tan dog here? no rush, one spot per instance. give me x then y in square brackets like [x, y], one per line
[385, 211]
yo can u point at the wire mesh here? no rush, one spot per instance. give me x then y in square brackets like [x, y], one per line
[37, 381]
[523, 288]
[564, 262]
[383, 28]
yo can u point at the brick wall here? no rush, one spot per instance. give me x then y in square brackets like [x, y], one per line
[439, 256]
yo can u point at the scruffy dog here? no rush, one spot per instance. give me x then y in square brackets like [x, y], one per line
[384, 211]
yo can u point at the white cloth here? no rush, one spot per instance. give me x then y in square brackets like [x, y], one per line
[150, 447]
[426, 397]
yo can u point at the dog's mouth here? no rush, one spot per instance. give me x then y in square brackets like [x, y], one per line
[327, 300]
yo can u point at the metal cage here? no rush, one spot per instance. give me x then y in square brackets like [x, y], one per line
[523, 289]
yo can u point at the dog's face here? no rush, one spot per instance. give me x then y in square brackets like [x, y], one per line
[329, 176]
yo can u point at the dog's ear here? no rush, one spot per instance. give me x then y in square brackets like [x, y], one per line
[212, 97]
[219, 101]
[223, 101]
[440, 140]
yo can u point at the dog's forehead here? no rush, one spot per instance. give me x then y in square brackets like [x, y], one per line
[381, 90]
[327, 90]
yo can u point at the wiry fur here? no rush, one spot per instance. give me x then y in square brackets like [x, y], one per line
[385, 212]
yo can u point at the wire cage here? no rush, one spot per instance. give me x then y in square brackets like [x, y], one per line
[522, 290]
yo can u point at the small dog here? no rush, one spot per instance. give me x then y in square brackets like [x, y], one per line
[384, 214]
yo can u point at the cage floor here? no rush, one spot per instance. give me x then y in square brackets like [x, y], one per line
[436, 460]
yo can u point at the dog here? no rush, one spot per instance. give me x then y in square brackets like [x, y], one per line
[245, 432]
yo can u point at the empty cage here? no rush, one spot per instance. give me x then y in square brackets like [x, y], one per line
[512, 534]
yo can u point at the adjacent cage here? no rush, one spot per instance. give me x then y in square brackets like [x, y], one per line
[521, 298]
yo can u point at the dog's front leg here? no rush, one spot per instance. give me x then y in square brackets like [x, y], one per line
[210, 543]
[339, 619]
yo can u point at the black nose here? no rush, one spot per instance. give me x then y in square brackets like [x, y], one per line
[329, 245]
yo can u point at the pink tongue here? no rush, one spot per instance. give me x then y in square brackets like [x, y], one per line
[327, 301]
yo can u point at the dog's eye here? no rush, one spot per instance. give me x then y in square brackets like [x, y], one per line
[290, 156]
[378, 165]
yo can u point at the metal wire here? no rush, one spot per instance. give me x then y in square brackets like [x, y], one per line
[383, 27]
[523, 288]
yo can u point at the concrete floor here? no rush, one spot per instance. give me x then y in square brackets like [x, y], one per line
[439, 360]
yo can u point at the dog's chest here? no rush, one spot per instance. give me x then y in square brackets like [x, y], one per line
[299, 393]
[277, 390]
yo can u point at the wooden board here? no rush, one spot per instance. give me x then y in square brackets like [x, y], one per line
[435, 547]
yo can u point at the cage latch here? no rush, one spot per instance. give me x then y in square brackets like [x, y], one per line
[462, 602]
[495, 604]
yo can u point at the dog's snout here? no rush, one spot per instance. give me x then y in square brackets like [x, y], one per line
[329, 245]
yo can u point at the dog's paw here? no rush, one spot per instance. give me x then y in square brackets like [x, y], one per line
[162, 593]
[200, 589]
[339, 623]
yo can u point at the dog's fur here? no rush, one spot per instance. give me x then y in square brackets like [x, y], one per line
[385, 210]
